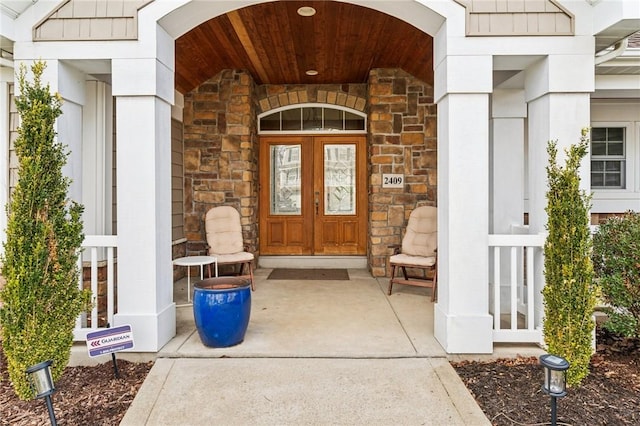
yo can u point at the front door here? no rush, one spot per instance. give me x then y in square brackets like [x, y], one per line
[313, 198]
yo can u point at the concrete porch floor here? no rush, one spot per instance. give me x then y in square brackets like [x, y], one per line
[315, 353]
[328, 319]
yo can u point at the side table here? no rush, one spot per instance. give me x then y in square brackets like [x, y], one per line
[200, 261]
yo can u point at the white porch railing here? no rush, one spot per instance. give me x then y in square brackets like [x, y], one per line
[94, 244]
[515, 288]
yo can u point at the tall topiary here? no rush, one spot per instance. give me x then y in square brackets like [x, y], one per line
[40, 299]
[616, 260]
[569, 292]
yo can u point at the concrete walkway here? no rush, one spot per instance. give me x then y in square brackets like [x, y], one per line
[315, 353]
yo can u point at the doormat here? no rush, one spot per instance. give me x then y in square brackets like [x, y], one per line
[309, 274]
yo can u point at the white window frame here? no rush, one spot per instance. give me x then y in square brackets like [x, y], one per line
[617, 200]
[622, 159]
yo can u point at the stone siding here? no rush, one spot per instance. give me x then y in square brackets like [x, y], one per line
[402, 140]
[221, 155]
[600, 218]
[273, 96]
[220, 143]
[101, 296]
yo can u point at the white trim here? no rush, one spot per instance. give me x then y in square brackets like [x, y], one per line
[620, 200]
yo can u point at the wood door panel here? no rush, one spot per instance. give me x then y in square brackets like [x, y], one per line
[309, 228]
[285, 237]
[286, 233]
[350, 233]
[340, 237]
[337, 233]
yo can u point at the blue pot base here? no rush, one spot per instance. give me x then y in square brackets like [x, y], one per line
[221, 310]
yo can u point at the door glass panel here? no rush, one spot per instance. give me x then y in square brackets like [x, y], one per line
[339, 179]
[285, 179]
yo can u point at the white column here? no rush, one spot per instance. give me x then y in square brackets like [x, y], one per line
[69, 83]
[462, 323]
[508, 111]
[97, 152]
[557, 91]
[6, 77]
[144, 91]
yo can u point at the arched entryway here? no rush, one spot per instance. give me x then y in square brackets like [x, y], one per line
[223, 154]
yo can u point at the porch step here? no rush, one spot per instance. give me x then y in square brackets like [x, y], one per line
[347, 262]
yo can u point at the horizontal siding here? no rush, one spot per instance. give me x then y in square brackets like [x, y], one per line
[177, 181]
[91, 20]
[516, 17]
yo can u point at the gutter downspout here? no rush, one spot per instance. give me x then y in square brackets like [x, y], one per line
[618, 50]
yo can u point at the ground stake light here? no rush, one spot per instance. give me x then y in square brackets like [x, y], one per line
[42, 385]
[555, 379]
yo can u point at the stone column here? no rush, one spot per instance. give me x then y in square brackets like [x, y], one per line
[462, 323]
[144, 92]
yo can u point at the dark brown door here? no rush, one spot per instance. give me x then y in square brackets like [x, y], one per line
[313, 196]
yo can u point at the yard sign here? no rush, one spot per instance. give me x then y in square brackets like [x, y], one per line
[109, 340]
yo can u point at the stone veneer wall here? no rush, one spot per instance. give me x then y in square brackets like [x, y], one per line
[220, 159]
[101, 296]
[272, 96]
[402, 139]
[221, 155]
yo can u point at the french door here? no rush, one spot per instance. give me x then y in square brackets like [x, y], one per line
[313, 198]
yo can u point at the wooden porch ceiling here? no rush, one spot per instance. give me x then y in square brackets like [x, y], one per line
[277, 46]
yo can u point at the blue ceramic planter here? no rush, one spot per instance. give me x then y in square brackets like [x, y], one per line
[221, 309]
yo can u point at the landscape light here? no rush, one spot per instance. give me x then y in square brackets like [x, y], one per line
[41, 382]
[555, 380]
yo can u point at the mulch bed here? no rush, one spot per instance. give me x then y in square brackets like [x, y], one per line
[509, 390]
[84, 396]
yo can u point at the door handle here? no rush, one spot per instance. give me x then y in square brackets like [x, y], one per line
[317, 202]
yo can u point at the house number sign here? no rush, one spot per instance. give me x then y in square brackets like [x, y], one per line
[392, 180]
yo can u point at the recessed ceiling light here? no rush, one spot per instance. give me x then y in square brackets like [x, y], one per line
[311, 72]
[306, 11]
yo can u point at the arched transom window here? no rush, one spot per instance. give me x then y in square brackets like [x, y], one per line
[312, 118]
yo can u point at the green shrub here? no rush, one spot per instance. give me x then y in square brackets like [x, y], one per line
[41, 299]
[569, 292]
[616, 261]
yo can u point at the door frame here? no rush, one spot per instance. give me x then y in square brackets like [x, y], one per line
[301, 233]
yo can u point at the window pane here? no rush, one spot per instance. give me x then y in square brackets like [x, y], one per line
[615, 134]
[291, 119]
[333, 119]
[597, 180]
[612, 166]
[353, 121]
[599, 134]
[270, 122]
[597, 166]
[598, 148]
[612, 180]
[312, 118]
[615, 148]
[285, 179]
